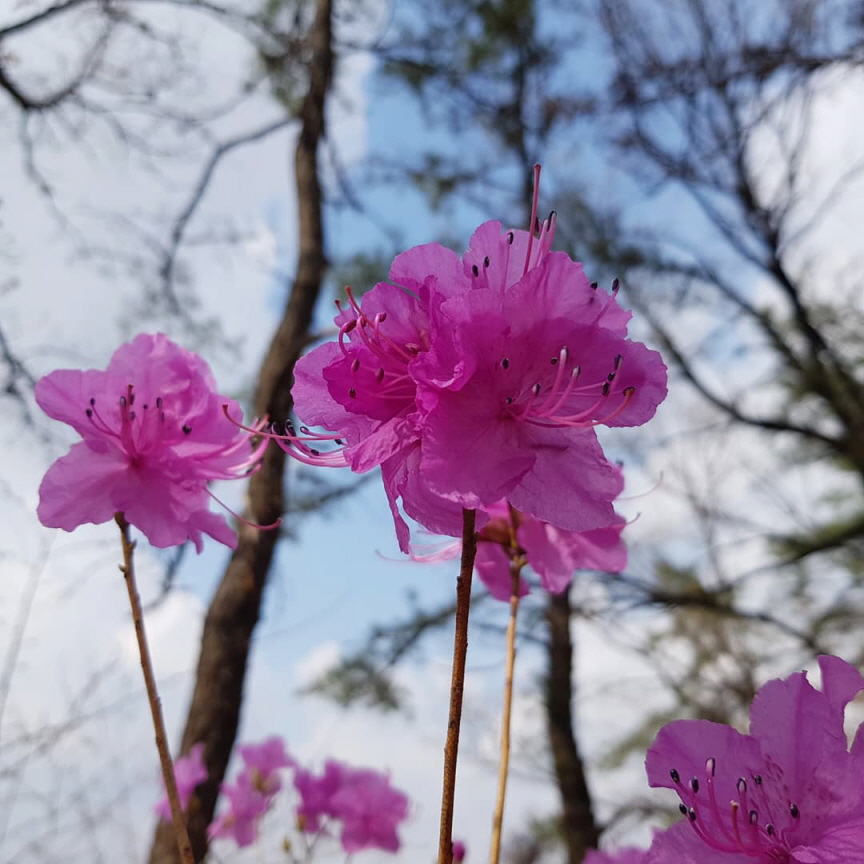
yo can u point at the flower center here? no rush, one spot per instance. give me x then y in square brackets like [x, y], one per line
[557, 396]
[387, 377]
[134, 428]
[753, 824]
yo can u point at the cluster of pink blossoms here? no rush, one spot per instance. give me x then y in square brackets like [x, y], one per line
[476, 380]
[368, 808]
[790, 792]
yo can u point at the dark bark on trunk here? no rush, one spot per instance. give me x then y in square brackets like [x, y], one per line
[214, 713]
[577, 818]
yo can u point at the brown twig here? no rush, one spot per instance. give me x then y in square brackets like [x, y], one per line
[457, 685]
[128, 571]
[504, 764]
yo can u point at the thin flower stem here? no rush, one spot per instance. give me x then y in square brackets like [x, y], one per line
[184, 846]
[457, 685]
[504, 764]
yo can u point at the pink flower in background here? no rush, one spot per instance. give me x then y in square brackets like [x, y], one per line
[154, 437]
[630, 855]
[553, 554]
[790, 792]
[459, 851]
[369, 808]
[263, 762]
[316, 794]
[189, 771]
[246, 805]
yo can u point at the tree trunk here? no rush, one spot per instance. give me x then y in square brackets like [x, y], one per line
[214, 713]
[577, 818]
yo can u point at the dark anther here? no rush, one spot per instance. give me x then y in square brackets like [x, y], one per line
[615, 285]
[753, 817]
[92, 402]
[486, 261]
[691, 814]
[131, 396]
[379, 375]
[551, 215]
[131, 415]
[158, 401]
[289, 428]
[741, 785]
[339, 442]
[694, 785]
[146, 406]
[619, 359]
[595, 285]
[536, 389]
[794, 812]
[606, 386]
[710, 762]
[505, 363]
[757, 779]
[536, 224]
[186, 429]
[314, 452]
[122, 401]
[683, 809]
[510, 237]
[554, 361]
[350, 325]
[355, 365]
[382, 316]
[475, 269]
[88, 412]
[611, 375]
[676, 777]
[352, 393]
[304, 430]
[508, 400]
[769, 830]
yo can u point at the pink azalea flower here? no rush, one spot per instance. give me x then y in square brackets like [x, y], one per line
[459, 851]
[630, 855]
[263, 762]
[553, 554]
[363, 800]
[370, 810]
[189, 771]
[247, 804]
[476, 379]
[154, 436]
[316, 794]
[515, 381]
[790, 792]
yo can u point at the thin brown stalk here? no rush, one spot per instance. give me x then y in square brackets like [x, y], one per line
[504, 763]
[457, 685]
[128, 570]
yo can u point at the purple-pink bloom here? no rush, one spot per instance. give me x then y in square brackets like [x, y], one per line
[189, 771]
[479, 379]
[316, 794]
[263, 762]
[247, 804]
[370, 810]
[154, 437]
[363, 800]
[554, 554]
[459, 851]
[790, 791]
